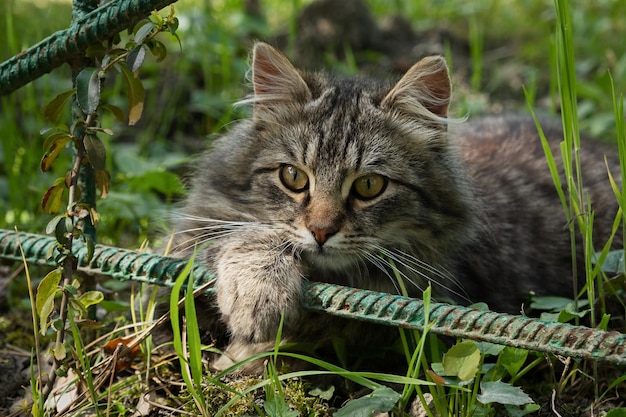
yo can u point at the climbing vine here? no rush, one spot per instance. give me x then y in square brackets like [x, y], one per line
[76, 217]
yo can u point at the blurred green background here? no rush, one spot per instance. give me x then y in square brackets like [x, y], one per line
[494, 49]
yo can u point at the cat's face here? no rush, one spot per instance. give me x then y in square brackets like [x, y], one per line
[334, 178]
[353, 176]
[347, 168]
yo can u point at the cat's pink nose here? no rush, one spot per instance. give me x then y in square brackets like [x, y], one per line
[322, 234]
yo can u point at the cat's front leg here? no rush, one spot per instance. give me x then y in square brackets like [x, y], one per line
[258, 279]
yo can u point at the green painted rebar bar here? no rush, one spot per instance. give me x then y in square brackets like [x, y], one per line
[87, 175]
[117, 263]
[462, 322]
[69, 44]
[392, 310]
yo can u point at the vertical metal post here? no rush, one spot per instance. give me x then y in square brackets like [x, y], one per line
[87, 177]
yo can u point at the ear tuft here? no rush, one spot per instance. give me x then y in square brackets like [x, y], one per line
[274, 78]
[426, 85]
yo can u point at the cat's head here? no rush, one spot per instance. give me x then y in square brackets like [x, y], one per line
[347, 168]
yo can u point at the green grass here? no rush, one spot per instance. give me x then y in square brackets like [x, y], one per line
[509, 44]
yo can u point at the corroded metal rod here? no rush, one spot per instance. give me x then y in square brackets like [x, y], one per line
[450, 320]
[121, 264]
[392, 310]
[69, 44]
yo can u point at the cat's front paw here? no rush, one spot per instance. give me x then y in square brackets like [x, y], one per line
[255, 287]
[237, 351]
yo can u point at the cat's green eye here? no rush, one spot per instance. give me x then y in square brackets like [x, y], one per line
[294, 178]
[369, 186]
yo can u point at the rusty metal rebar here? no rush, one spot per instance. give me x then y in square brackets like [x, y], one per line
[462, 322]
[67, 45]
[121, 264]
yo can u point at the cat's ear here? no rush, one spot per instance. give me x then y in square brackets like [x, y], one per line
[425, 85]
[275, 79]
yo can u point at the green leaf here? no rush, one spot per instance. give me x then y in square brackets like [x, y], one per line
[59, 351]
[52, 224]
[115, 306]
[158, 49]
[614, 261]
[88, 89]
[462, 360]
[50, 131]
[617, 412]
[52, 111]
[501, 393]
[135, 94]
[553, 303]
[512, 359]
[144, 31]
[52, 200]
[569, 312]
[62, 228]
[44, 301]
[95, 151]
[90, 298]
[54, 143]
[324, 394]
[136, 57]
[381, 399]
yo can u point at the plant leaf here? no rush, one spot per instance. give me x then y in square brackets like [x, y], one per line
[52, 224]
[325, 394]
[135, 95]
[62, 228]
[173, 25]
[501, 393]
[44, 301]
[158, 49]
[88, 90]
[55, 143]
[462, 360]
[59, 351]
[95, 151]
[617, 412]
[103, 180]
[52, 200]
[144, 31]
[135, 57]
[90, 298]
[381, 399]
[52, 111]
[614, 261]
[512, 359]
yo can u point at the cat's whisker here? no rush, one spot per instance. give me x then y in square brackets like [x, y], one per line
[438, 271]
[380, 264]
[422, 269]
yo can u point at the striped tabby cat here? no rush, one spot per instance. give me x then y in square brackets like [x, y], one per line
[341, 179]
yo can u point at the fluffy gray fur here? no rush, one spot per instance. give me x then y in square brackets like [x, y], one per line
[467, 207]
